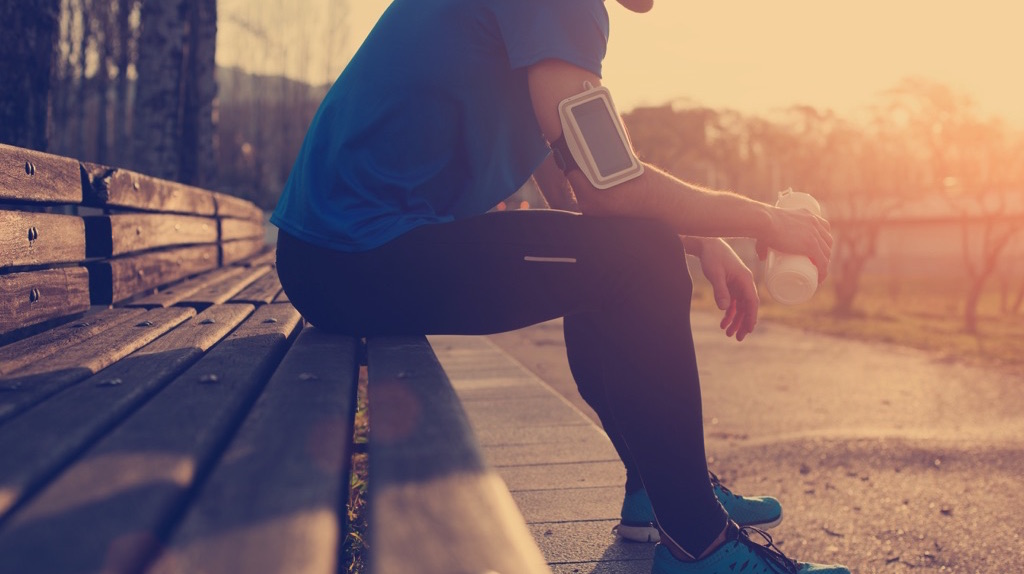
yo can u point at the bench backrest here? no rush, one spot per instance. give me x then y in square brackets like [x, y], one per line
[76, 234]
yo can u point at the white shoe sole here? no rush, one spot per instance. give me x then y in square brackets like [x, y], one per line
[637, 533]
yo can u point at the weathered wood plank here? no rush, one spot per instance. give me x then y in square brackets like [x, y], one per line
[113, 187]
[32, 176]
[233, 229]
[268, 257]
[115, 280]
[28, 238]
[287, 521]
[36, 296]
[282, 297]
[261, 291]
[235, 251]
[177, 292]
[38, 347]
[110, 235]
[111, 508]
[231, 206]
[32, 384]
[435, 507]
[223, 290]
[36, 445]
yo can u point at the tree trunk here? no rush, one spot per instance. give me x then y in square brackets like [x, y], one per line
[104, 37]
[81, 142]
[198, 162]
[971, 305]
[27, 47]
[125, 37]
[173, 120]
[854, 247]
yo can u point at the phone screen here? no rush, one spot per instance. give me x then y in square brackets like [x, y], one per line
[606, 145]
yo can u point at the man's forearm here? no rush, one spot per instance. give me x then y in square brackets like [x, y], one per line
[690, 209]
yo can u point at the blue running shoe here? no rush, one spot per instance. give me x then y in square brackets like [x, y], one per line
[637, 522]
[739, 553]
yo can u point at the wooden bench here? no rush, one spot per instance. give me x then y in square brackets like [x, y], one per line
[164, 408]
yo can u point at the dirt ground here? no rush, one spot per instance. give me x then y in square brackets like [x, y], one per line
[886, 459]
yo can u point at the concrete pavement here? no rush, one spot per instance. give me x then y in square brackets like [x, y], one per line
[886, 459]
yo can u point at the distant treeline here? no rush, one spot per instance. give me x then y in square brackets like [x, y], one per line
[921, 151]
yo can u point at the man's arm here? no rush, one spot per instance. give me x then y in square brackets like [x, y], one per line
[690, 209]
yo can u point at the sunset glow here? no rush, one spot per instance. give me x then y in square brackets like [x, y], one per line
[750, 56]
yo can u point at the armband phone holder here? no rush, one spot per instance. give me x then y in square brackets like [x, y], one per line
[594, 139]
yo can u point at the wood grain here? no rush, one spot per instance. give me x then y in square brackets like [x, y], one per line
[262, 291]
[232, 229]
[113, 187]
[28, 238]
[33, 297]
[29, 386]
[115, 280]
[287, 521]
[36, 177]
[235, 251]
[435, 506]
[110, 508]
[231, 206]
[37, 444]
[112, 235]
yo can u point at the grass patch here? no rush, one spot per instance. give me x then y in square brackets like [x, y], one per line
[922, 314]
[355, 547]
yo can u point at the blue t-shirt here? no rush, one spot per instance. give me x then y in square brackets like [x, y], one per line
[432, 121]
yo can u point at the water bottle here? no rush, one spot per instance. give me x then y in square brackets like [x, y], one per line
[792, 279]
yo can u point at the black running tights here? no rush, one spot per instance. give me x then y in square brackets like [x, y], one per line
[622, 286]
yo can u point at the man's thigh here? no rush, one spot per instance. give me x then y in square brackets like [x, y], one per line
[492, 273]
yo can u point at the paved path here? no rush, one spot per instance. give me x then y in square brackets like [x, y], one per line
[886, 459]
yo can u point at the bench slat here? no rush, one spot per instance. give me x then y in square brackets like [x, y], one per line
[235, 251]
[296, 440]
[38, 347]
[111, 187]
[115, 280]
[28, 238]
[268, 257]
[262, 291]
[111, 508]
[435, 507]
[28, 386]
[36, 445]
[33, 297]
[231, 206]
[223, 290]
[232, 229]
[175, 293]
[111, 235]
[33, 176]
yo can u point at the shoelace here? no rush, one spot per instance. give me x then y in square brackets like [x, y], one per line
[769, 550]
[715, 481]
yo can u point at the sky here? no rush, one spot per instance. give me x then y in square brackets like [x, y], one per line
[752, 56]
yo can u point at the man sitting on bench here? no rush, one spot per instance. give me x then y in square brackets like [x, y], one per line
[446, 109]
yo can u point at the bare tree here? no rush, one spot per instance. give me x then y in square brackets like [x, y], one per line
[25, 67]
[973, 165]
[173, 119]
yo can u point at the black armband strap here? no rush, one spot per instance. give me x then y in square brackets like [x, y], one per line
[563, 157]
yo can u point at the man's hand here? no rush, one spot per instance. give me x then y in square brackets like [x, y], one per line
[734, 288]
[802, 232]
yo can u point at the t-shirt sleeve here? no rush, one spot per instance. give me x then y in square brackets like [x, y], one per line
[575, 31]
